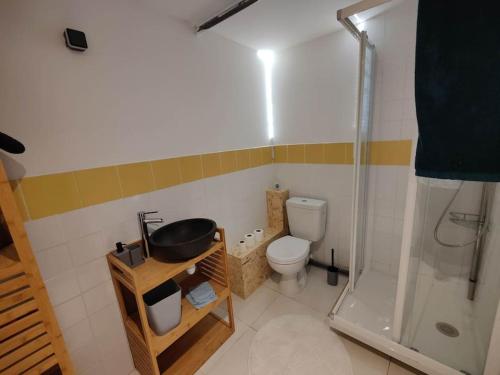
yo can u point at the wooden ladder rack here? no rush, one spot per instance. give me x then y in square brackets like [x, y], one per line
[30, 339]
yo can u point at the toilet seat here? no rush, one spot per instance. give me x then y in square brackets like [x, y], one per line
[288, 250]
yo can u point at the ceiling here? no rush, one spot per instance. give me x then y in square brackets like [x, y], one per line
[267, 24]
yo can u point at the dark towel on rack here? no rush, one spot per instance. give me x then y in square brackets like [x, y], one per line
[457, 90]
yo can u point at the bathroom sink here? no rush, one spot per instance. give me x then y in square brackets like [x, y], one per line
[182, 240]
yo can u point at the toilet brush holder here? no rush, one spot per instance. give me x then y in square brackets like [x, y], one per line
[332, 272]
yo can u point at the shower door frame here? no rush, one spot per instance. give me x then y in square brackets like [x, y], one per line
[357, 249]
[393, 348]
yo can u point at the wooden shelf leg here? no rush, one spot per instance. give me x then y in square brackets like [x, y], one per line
[146, 332]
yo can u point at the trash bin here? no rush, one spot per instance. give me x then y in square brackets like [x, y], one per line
[163, 307]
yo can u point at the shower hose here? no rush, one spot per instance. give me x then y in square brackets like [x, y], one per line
[440, 221]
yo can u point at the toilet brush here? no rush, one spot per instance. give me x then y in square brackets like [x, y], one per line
[332, 272]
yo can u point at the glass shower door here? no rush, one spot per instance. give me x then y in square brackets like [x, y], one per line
[441, 319]
[363, 126]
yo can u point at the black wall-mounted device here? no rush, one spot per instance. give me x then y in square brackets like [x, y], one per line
[75, 39]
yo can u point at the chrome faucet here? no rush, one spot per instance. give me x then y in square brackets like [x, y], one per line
[143, 226]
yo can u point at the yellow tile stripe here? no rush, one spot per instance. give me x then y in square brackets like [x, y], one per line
[389, 152]
[380, 153]
[47, 195]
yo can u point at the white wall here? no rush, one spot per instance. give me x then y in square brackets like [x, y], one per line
[315, 88]
[315, 101]
[394, 35]
[147, 88]
[70, 250]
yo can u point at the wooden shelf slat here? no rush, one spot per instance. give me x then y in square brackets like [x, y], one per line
[13, 284]
[43, 366]
[23, 308]
[15, 298]
[30, 361]
[21, 338]
[11, 270]
[8, 258]
[190, 316]
[188, 354]
[24, 351]
[16, 312]
[152, 272]
[20, 324]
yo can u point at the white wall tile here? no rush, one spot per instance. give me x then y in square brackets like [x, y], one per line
[107, 327]
[63, 287]
[87, 359]
[45, 233]
[79, 223]
[70, 312]
[78, 335]
[93, 273]
[54, 261]
[99, 297]
[87, 248]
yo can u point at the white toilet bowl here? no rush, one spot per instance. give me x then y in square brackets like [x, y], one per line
[288, 256]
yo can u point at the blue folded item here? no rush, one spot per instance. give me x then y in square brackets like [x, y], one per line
[201, 295]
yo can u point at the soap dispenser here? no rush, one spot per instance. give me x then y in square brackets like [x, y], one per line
[131, 255]
[122, 254]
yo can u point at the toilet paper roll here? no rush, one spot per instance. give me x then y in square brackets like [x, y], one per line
[259, 234]
[249, 239]
[242, 245]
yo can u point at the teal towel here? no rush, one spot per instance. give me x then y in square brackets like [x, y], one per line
[201, 295]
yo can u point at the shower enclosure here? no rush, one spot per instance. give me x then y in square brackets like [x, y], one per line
[438, 311]
[446, 314]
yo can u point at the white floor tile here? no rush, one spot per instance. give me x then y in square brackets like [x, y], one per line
[282, 306]
[317, 294]
[273, 282]
[235, 360]
[241, 329]
[249, 310]
[364, 361]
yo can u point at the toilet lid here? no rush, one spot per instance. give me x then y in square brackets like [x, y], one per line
[287, 250]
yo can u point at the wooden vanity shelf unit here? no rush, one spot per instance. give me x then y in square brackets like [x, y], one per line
[185, 348]
[30, 339]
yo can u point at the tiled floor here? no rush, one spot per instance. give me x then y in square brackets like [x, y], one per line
[267, 303]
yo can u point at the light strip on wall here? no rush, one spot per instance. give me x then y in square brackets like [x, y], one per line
[267, 58]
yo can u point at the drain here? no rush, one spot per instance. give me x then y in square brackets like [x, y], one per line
[447, 329]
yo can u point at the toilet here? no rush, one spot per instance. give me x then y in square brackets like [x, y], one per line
[289, 255]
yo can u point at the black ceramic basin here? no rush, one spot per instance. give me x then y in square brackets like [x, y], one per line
[182, 240]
